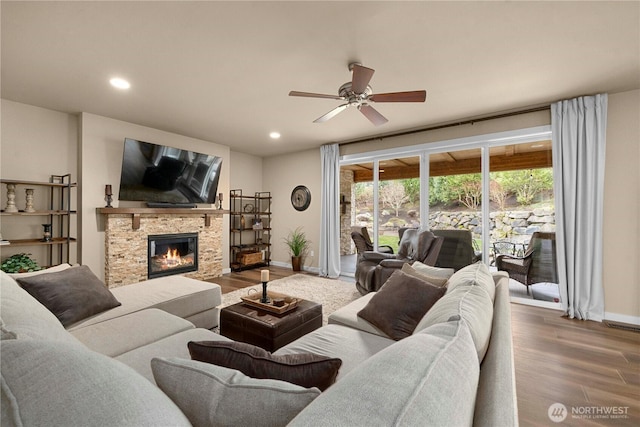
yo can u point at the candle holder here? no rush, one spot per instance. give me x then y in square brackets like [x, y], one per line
[11, 198]
[47, 233]
[265, 299]
[29, 196]
[220, 201]
[108, 195]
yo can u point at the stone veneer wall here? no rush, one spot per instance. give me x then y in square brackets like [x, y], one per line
[126, 248]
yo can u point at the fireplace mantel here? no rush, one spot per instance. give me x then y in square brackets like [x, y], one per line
[135, 213]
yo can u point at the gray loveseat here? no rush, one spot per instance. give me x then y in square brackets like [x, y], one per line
[53, 376]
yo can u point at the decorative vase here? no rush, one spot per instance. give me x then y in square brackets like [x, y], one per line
[296, 263]
[11, 198]
[29, 206]
[242, 222]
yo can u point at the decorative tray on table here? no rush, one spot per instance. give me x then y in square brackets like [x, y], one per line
[253, 300]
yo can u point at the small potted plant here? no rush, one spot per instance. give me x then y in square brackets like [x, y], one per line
[298, 246]
[19, 263]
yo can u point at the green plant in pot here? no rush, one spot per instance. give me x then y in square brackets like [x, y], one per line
[298, 246]
[19, 263]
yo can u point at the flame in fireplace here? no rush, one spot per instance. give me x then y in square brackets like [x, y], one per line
[172, 256]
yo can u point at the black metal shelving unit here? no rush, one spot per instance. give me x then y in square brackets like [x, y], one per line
[250, 230]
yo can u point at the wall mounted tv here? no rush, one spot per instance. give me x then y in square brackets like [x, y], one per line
[158, 174]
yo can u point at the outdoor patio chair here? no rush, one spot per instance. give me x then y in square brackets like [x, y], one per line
[538, 263]
[457, 249]
[503, 247]
[360, 237]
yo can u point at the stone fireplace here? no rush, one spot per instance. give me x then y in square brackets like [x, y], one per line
[169, 254]
[128, 232]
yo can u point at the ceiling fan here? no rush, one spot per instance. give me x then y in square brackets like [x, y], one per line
[358, 93]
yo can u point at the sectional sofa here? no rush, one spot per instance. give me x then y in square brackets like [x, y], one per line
[132, 366]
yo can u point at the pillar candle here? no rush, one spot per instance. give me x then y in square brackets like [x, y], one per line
[264, 275]
[107, 190]
[220, 197]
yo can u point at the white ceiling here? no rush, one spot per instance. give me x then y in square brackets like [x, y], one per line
[222, 71]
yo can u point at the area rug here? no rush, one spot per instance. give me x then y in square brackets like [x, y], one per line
[331, 293]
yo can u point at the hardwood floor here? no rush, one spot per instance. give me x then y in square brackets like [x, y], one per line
[586, 366]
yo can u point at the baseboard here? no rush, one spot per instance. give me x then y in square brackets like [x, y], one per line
[622, 318]
[537, 303]
[226, 270]
[315, 270]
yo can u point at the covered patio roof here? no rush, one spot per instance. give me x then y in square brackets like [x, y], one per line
[503, 158]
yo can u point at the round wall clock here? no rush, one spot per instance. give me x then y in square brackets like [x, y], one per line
[300, 198]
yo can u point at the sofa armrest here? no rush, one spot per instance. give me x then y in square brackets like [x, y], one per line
[393, 263]
[348, 316]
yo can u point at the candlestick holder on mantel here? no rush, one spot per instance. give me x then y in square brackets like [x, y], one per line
[108, 195]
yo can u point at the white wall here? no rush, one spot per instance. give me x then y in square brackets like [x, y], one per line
[281, 175]
[622, 209]
[100, 147]
[246, 174]
[35, 143]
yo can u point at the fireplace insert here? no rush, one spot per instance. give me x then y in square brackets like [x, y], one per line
[172, 254]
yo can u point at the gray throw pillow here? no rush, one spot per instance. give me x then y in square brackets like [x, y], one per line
[72, 294]
[400, 303]
[211, 395]
[304, 369]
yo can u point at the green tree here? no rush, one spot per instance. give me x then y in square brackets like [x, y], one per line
[412, 189]
[526, 184]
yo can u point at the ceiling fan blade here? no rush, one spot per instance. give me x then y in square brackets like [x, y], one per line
[331, 113]
[361, 78]
[413, 96]
[372, 114]
[314, 95]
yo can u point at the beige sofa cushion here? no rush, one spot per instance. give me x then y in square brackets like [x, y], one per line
[428, 379]
[349, 345]
[470, 297]
[172, 346]
[477, 274]
[178, 295]
[122, 334]
[25, 317]
[348, 316]
[212, 395]
[435, 275]
[53, 383]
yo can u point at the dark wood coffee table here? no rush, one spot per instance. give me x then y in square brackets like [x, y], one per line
[270, 331]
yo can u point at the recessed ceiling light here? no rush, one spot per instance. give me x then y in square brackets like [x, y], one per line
[119, 83]
[537, 146]
[274, 135]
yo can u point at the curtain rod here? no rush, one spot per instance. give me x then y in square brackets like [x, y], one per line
[448, 125]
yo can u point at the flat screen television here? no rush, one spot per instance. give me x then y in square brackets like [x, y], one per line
[155, 173]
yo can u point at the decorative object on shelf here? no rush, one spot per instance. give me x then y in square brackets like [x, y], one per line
[248, 208]
[11, 198]
[29, 196]
[242, 222]
[19, 263]
[298, 245]
[257, 224]
[220, 201]
[47, 233]
[300, 198]
[264, 278]
[108, 193]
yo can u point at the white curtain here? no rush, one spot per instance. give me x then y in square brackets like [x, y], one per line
[578, 136]
[329, 260]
